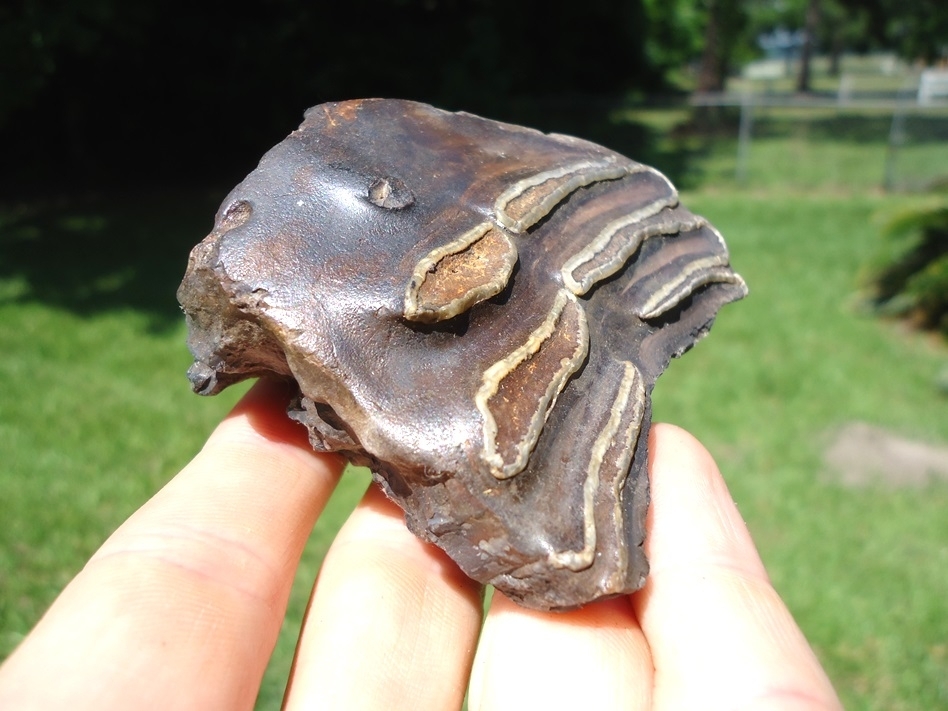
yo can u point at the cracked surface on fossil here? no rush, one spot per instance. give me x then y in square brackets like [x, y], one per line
[478, 312]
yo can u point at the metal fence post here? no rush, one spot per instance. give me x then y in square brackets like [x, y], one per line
[744, 135]
[896, 137]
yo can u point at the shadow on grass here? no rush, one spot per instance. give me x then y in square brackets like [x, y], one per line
[849, 127]
[680, 160]
[103, 254]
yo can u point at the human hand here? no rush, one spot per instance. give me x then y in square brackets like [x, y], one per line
[181, 607]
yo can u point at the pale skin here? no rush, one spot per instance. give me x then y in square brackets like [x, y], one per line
[181, 607]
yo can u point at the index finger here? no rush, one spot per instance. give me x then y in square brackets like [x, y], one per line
[719, 634]
[181, 607]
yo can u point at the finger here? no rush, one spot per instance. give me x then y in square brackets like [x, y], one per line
[595, 657]
[181, 607]
[720, 635]
[392, 623]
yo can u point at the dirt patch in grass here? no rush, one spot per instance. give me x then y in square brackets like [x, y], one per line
[860, 454]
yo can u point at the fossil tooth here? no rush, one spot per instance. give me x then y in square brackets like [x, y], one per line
[478, 312]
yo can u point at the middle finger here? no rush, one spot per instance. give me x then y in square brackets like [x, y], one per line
[392, 623]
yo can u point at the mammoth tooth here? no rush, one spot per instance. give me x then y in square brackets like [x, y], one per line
[519, 390]
[529, 200]
[618, 438]
[450, 279]
[482, 326]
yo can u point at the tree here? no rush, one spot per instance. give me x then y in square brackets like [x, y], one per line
[725, 23]
[909, 277]
[105, 91]
[842, 29]
[674, 32]
[916, 29]
[811, 23]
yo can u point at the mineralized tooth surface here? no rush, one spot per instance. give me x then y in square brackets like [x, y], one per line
[478, 312]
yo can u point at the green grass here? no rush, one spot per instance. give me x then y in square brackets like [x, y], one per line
[96, 415]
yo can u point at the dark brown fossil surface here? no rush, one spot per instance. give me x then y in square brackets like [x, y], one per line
[476, 311]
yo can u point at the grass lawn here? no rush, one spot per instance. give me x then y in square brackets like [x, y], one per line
[96, 415]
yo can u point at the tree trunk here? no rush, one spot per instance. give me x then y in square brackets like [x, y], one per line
[711, 69]
[811, 22]
[836, 53]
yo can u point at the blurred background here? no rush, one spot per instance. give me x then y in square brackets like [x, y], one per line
[813, 133]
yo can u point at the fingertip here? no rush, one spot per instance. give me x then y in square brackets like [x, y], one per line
[675, 451]
[258, 433]
[264, 409]
[720, 635]
[692, 519]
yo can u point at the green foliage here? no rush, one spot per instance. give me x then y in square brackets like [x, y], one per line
[90, 93]
[918, 28]
[675, 32]
[910, 275]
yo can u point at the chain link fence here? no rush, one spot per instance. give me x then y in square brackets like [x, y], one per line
[862, 131]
